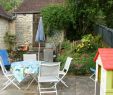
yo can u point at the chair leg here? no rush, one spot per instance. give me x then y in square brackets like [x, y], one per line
[64, 83]
[39, 88]
[41, 92]
[30, 84]
[11, 81]
[60, 79]
[91, 77]
[5, 86]
[32, 81]
[6, 82]
[56, 88]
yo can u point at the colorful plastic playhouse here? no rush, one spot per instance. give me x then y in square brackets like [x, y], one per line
[104, 71]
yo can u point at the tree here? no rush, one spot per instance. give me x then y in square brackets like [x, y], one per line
[83, 14]
[10, 4]
[55, 17]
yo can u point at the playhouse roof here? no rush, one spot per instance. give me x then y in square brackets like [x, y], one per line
[106, 55]
[34, 6]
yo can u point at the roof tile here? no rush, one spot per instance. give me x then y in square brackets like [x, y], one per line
[32, 6]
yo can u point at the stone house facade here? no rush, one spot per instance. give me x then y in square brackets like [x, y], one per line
[6, 25]
[27, 16]
[24, 28]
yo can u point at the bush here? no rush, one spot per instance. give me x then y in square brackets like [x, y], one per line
[66, 45]
[55, 17]
[82, 14]
[9, 5]
[64, 52]
[82, 63]
[10, 40]
[89, 43]
[82, 59]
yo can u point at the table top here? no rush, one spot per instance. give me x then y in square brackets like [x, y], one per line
[21, 68]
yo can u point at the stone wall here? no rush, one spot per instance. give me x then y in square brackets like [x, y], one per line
[12, 27]
[4, 27]
[24, 28]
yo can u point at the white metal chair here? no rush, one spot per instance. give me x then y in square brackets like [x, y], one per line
[8, 75]
[30, 57]
[48, 73]
[92, 77]
[65, 70]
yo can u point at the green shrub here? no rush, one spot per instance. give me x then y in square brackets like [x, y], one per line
[10, 40]
[9, 5]
[82, 14]
[64, 52]
[82, 59]
[82, 62]
[55, 17]
[66, 44]
[89, 43]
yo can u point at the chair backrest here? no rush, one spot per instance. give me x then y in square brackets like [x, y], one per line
[29, 57]
[4, 56]
[67, 64]
[2, 66]
[49, 69]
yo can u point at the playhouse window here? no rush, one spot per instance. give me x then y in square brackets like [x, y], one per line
[99, 73]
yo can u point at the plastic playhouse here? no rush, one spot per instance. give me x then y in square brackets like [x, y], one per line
[104, 71]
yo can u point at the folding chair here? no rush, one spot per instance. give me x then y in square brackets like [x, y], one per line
[92, 77]
[65, 70]
[48, 73]
[5, 58]
[8, 75]
[30, 57]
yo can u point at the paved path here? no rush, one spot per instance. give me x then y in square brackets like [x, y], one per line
[78, 85]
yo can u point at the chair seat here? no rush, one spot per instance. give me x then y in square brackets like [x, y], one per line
[61, 72]
[48, 79]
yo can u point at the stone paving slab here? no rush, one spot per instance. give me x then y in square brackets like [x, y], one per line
[78, 85]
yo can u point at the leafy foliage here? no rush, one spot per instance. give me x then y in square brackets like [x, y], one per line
[77, 17]
[82, 59]
[82, 63]
[106, 8]
[10, 40]
[82, 14]
[100, 17]
[89, 43]
[55, 17]
[10, 4]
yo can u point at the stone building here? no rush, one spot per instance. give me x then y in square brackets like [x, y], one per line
[27, 16]
[6, 25]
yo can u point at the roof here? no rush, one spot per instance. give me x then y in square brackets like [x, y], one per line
[34, 6]
[4, 14]
[106, 55]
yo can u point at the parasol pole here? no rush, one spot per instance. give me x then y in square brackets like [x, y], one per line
[39, 51]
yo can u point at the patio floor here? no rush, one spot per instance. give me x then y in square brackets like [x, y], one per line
[78, 85]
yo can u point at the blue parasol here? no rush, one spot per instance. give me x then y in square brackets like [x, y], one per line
[40, 36]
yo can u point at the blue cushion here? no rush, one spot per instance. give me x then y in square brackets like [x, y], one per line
[93, 70]
[4, 55]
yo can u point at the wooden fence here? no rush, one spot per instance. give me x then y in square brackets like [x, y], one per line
[106, 33]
